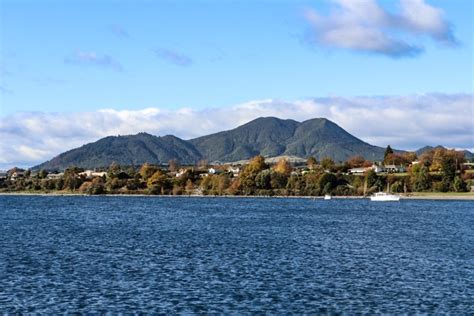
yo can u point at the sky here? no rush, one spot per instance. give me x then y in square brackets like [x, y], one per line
[390, 72]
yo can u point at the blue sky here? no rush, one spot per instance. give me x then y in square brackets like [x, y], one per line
[236, 51]
[81, 57]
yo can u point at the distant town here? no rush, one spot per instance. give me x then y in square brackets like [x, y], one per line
[436, 170]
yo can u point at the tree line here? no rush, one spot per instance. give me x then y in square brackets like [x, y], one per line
[437, 170]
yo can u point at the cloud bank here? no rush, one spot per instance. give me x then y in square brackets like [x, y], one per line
[365, 26]
[405, 122]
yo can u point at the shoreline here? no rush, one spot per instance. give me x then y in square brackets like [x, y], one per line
[469, 196]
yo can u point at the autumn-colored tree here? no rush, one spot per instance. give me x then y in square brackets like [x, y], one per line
[311, 162]
[159, 183]
[247, 176]
[235, 187]
[257, 164]
[283, 167]
[409, 156]
[358, 161]
[396, 159]
[189, 186]
[147, 170]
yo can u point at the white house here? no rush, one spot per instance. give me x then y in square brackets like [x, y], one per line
[213, 171]
[181, 172]
[92, 174]
[234, 170]
[54, 176]
[362, 170]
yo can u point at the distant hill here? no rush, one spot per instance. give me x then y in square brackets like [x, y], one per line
[267, 136]
[125, 150]
[467, 154]
[270, 136]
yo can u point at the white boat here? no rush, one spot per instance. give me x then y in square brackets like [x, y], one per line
[384, 197]
[327, 197]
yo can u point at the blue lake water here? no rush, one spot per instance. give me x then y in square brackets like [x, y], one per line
[232, 255]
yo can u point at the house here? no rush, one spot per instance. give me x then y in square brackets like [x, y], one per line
[214, 171]
[235, 171]
[54, 176]
[468, 165]
[89, 174]
[181, 172]
[17, 175]
[362, 170]
[394, 169]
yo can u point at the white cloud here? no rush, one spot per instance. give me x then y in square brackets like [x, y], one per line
[364, 25]
[405, 122]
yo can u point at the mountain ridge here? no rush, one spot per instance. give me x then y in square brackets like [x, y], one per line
[266, 136]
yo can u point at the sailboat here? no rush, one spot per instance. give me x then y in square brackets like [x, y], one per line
[385, 196]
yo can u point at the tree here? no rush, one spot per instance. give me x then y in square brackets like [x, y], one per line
[409, 156]
[42, 174]
[159, 183]
[113, 170]
[420, 178]
[189, 186]
[263, 180]
[257, 163]
[173, 165]
[357, 161]
[278, 180]
[72, 181]
[146, 171]
[283, 167]
[248, 175]
[311, 162]
[388, 151]
[459, 185]
[371, 178]
[327, 163]
[327, 182]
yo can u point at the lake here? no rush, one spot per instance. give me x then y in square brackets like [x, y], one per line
[235, 255]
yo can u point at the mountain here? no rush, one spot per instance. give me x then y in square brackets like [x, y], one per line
[125, 150]
[322, 138]
[271, 136]
[467, 154]
[267, 136]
